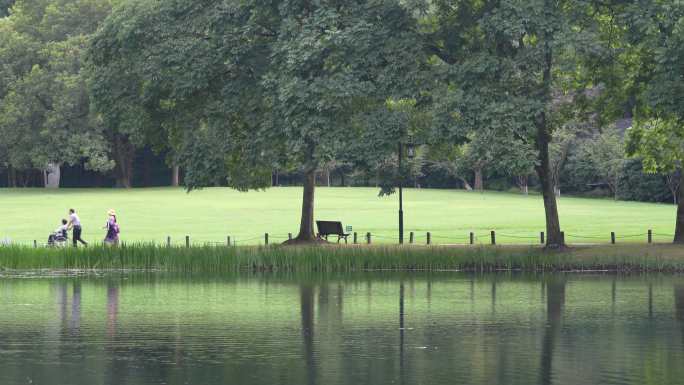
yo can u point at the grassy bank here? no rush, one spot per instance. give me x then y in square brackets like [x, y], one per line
[210, 215]
[626, 258]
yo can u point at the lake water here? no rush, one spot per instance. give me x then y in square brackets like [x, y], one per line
[371, 328]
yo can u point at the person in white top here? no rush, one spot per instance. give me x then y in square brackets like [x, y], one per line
[75, 225]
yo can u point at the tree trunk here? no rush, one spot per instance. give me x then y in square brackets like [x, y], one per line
[327, 176]
[147, 170]
[553, 231]
[175, 176]
[23, 178]
[11, 182]
[679, 226]
[53, 175]
[673, 182]
[306, 228]
[521, 181]
[466, 185]
[553, 238]
[479, 185]
[275, 178]
[342, 179]
[123, 155]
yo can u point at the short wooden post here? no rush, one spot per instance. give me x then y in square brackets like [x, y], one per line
[562, 240]
[368, 238]
[187, 241]
[289, 236]
[356, 237]
[612, 237]
[493, 235]
[35, 244]
[228, 240]
[411, 237]
[168, 241]
[650, 236]
[428, 238]
[541, 238]
[265, 238]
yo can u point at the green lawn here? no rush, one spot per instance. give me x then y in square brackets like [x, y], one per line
[210, 215]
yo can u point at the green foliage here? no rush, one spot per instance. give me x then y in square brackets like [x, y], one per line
[45, 112]
[657, 136]
[659, 142]
[267, 85]
[637, 185]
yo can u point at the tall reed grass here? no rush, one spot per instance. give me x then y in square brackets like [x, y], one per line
[331, 258]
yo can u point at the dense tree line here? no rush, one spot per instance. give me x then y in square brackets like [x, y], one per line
[569, 96]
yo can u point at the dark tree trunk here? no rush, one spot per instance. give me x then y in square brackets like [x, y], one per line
[124, 152]
[553, 230]
[275, 178]
[543, 170]
[679, 226]
[306, 228]
[11, 181]
[147, 170]
[342, 179]
[479, 184]
[175, 176]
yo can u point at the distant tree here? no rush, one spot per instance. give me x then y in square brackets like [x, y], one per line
[605, 152]
[45, 112]
[517, 158]
[449, 159]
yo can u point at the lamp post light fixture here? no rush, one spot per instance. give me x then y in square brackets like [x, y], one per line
[410, 149]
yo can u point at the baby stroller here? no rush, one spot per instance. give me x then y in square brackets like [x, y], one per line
[58, 239]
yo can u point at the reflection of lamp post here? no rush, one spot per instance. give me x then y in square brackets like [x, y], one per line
[410, 151]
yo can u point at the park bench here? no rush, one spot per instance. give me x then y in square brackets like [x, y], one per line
[326, 228]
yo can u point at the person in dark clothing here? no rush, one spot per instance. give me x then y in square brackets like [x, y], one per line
[75, 225]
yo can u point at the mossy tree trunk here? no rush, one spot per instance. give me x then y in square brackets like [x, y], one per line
[306, 226]
[679, 226]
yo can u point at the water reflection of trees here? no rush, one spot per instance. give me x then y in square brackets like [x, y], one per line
[555, 301]
[306, 300]
[476, 331]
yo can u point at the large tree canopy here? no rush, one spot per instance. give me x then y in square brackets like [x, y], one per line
[511, 65]
[240, 87]
[656, 31]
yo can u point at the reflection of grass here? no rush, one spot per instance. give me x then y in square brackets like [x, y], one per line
[348, 258]
[210, 215]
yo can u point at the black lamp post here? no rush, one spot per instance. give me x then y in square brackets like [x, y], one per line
[410, 151]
